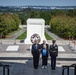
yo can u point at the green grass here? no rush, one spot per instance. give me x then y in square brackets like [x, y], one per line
[23, 36]
[48, 37]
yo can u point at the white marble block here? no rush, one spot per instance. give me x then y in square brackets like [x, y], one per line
[35, 26]
[61, 49]
[12, 48]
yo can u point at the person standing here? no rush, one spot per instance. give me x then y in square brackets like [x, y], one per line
[36, 53]
[53, 54]
[44, 51]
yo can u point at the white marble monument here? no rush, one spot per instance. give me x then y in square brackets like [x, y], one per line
[35, 30]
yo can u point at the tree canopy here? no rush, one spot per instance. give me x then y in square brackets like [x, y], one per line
[64, 26]
[8, 23]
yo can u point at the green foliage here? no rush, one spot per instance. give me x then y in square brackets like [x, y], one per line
[48, 37]
[71, 12]
[64, 26]
[46, 16]
[8, 23]
[17, 20]
[29, 13]
[12, 33]
[58, 12]
[63, 22]
[22, 36]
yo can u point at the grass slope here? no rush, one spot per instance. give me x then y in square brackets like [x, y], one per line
[23, 36]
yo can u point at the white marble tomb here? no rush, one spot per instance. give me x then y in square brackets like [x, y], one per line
[35, 26]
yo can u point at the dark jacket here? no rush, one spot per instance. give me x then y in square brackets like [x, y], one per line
[35, 51]
[47, 48]
[53, 50]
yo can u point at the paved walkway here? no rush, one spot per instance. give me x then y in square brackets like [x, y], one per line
[52, 35]
[21, 62]
[25, 28]
[17, 34]
[25, 53]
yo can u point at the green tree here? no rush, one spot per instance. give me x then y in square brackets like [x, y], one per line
[64, 26]
[8, 23]
[46, 16]
[71, 12]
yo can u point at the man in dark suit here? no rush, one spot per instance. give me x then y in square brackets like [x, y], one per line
[53, 54]
[36, 53]
[44, 46]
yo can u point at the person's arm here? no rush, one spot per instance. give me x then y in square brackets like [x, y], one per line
[47, 46]
[57, 50]
[50, 50]
[47, 50]
[41, 46]
[32, 49]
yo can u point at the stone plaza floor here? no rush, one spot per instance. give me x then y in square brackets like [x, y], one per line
[21, 61]
[25, 67]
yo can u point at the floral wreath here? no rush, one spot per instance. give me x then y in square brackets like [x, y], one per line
[35, 37]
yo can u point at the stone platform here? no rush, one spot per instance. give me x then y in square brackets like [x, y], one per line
[23, 52]
[25, 67]
[21, 62]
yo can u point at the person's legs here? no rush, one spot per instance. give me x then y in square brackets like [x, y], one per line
[43, 61]
[54, 62]
[35, 61]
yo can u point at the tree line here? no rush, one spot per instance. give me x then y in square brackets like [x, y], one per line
[62, 22]
[45, 14]
[64, 26]
[8, 23]
[29, 13]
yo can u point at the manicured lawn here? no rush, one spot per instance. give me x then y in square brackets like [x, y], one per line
[23, 36]
[48, 37]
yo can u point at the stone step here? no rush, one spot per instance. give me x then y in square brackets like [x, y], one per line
[30, 58]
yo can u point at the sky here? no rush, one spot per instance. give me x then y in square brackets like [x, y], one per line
[38, 2]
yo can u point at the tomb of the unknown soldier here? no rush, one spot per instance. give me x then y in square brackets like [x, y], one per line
[35, 30]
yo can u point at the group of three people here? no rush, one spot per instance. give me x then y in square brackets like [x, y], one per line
[45, 50]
